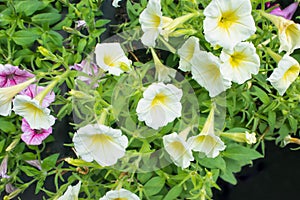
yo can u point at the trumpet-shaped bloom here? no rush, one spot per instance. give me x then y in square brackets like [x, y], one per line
[285, 74]
[111, 57]
[207, 142]
[288, 31]
[71, 193]
[206, 71]
[178, 150]
[100, 143]
[12, 75]
[151, 22]
[8, 93]
[37, 116]
[228, 22]
[160, 105]
[120, 194]
[240, 62]
[33, 136]
[33, 90]
[287, 12]
[162, 72]
[187, 51]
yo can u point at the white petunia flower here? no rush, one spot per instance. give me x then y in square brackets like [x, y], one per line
[207, 142]
[250, 138]
[71, 193]
[288, 32]
[187, 51]
[206, 71]
[152, 22]
[228, 22]
[101, 143]
[8, 93]
[285, 74]
[37, 116]
[111, 57]
[240, 62]
[120, 194]
[160, 105]
[115, 3]
[178, 150]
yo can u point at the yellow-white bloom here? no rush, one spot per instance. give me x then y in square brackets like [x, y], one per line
[206, 71]
[111, 57]
[160, 105]
[207, 142]
[37, 116]
[178, 150]
[250, 138]
[8, 93]
[240, 62]
[285, 74]
[71, 193]
[152, 22]
[187, 51]
[162, 72]
[101, 143]
[120, 194]
[288, 32]
[228, 22]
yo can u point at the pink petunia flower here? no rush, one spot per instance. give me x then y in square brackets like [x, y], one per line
[33, 90]
[12, 75]
[287, 12]
[33, 136]
[89, 68]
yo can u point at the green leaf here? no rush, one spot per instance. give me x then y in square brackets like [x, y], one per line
[2, 143]
[272, 119]
[7, 126]
[24, 37]
[238, 152]
[144, 177]
[29, 8]
[293, 123]
[261, 95]
[29, 171]
[173, 193]
[229, 177]
[46, 18]
[101, 22]
[154, 185]
[49, 162]
[212, 163]
[81, 45]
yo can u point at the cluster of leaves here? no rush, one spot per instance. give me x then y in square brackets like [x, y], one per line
[44, 37]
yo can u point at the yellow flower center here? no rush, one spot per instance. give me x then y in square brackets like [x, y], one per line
[159, 99]
[32, 108]
[155, 20]
[108, 61]
[177, 147]
[236, 59]
[227, 19]
[101, 139]
[291, 73]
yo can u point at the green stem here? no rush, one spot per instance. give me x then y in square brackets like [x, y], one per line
[274, 55]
